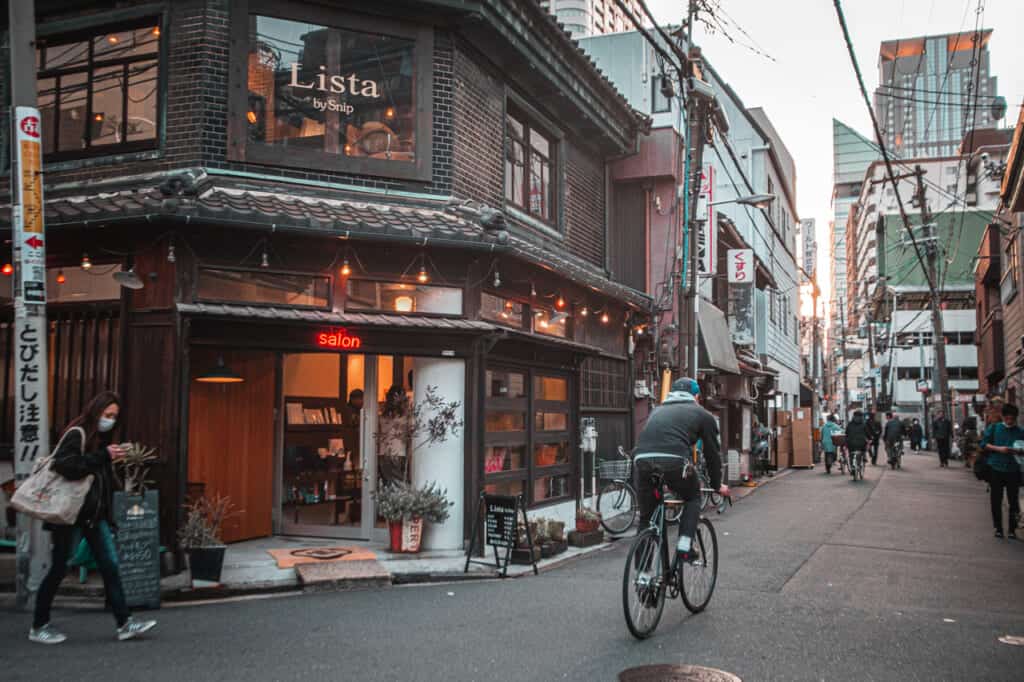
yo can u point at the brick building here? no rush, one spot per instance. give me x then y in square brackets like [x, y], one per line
[325, 202]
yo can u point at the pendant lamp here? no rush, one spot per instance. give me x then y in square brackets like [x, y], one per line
[220, 374]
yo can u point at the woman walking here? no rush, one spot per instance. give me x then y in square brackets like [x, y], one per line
[74, 460]
[1000, 443]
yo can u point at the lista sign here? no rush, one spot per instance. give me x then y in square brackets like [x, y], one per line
[338, 338]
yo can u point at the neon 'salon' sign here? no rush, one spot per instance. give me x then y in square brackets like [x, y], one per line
[338, 338]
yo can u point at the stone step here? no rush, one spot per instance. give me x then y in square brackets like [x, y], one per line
[342, 575]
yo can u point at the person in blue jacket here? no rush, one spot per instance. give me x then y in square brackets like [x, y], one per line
[998, 445]
[830, 428]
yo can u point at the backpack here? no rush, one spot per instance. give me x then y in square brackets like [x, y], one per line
[981, 467]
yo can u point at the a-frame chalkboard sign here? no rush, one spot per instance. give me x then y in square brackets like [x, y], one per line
[501, 516]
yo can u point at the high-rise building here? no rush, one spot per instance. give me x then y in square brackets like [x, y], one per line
[932, 90]
[809, 240]
[584, 18]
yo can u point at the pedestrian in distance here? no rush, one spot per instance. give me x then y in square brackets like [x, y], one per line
[916, 435]
[942, 431]
[970, 442]
[1003, 472]
[874, 435]
[75, 460]
[829, 429]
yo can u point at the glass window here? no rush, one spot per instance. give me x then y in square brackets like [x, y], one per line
[551, 323]
[510, 488]
[529, 167]
[551, 421]
[332, 90]
[550, 388]
[659, 103]
[501, 310]
[100, 95]
[498, 422]
[551, 454]
[550, 487]
[268, 288]
[503, 384]
[403, 298]
[504, 458]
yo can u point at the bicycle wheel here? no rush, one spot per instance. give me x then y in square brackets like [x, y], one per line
[697, 580]
[616, 503]
[643, 586]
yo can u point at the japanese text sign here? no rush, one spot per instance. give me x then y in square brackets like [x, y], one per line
[741, 266]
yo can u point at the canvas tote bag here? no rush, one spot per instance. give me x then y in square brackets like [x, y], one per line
[47, 495]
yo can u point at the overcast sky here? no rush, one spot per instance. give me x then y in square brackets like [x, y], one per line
[811, 80]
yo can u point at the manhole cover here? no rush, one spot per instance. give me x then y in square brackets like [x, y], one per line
[676, 673]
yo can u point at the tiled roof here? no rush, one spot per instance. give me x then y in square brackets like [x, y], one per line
[322, 317]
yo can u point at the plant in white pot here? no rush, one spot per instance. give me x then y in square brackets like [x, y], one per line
[405, 508]
[200, 537]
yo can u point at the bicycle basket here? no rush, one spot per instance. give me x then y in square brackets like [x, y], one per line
[620, 469]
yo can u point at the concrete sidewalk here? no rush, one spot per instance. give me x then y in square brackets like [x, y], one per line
[249, 569]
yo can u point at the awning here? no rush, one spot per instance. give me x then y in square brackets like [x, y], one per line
[269, 313]
[716, 340]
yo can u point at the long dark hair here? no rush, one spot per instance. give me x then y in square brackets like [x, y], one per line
[89, 420]
[395, 402]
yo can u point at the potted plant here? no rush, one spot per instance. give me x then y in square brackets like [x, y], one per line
[405, 508]
[200, 537]
[587, 520]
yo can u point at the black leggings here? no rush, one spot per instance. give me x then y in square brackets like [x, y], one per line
[104, 551]
[687, 488]
[996, 482]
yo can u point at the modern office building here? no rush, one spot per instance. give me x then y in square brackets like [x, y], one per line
[926, 98]
[584, 18]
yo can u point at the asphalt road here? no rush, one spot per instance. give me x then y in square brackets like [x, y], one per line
[894, 578]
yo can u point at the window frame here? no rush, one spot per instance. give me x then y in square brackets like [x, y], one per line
[656, 94]
[531, 119]
[532, 436]
[1011, 272]
[393, 280]
[60, 33]
[242, 150]
[260, 271]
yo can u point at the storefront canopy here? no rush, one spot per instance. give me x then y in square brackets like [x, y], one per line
[716, 340]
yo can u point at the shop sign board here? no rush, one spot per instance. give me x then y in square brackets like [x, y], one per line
[338, 338]
[707, 244]
[501, 515]
[138, 547]
[741, 266]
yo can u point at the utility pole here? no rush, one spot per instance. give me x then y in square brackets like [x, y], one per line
[815, 366]
[924, 394]
[31, 406]
[844, 366]
[931, 246]
[871, 361]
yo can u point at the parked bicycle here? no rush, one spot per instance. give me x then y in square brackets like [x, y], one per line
[616, 502]
[650, 575]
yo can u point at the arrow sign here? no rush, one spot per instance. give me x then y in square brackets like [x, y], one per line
[34, 241]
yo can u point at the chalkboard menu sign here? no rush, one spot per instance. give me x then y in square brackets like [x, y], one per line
[138, 547]
[500, 520]
[501, 515]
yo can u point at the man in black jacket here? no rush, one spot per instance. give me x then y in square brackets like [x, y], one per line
[942, 432]
[874, 434]
[664, 446]
[857, 438]
[893, 436]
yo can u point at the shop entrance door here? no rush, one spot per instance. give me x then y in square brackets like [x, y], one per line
[327, 475]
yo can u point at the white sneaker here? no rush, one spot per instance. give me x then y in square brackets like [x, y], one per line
[133, 628]
[46, 635]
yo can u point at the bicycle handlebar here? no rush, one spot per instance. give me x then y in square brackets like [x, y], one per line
[726, 499]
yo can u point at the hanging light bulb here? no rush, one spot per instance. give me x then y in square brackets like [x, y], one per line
[8, 269]
[584, 312]
[171, 256]
[60, 277]
[264, 260]
[86, 263]
[560, 302]
[346, 270]
[509, 305]
[497, 279]
[533, 291]
[604, 318]
[389, 112]
[423, 277]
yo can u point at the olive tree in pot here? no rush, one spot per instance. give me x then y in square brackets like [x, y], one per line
[200, 537]
[405, 508]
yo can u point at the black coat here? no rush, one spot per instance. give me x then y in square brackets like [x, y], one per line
[857, 434]
[893, 431]
[942, 428]
[74, 465]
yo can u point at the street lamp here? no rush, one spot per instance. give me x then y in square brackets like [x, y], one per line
[755, 200]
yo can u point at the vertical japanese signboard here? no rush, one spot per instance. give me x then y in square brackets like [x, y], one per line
[707, 249]
[30, 418]
[741, 295]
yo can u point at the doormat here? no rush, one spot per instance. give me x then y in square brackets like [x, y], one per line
[289, 558]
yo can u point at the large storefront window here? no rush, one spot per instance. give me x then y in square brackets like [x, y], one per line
[335, 91]
[399, 297]
[527, 443]
[98, 90]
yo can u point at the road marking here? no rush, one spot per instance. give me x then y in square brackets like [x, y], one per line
[1012, 640]
[948, 620]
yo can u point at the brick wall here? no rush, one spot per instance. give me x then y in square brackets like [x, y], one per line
[585, 205]
[479, 147]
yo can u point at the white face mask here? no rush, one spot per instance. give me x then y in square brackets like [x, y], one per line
[106, 424]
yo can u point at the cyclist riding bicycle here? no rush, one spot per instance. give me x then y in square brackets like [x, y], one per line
[857, 438]
[664, 446]
[893, 435]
